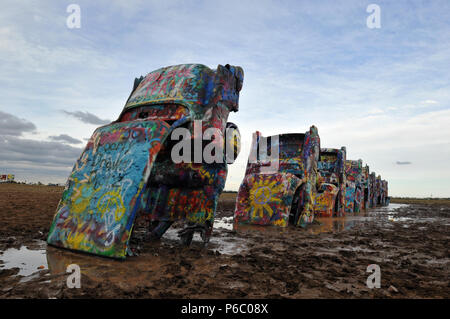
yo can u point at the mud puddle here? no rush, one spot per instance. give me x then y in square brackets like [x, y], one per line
[29, 260]
[222, 240]
[224, 223]
[337, 224]
[273, 262]
[33, 258]
[225, 263]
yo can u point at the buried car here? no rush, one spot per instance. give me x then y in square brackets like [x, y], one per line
[279, 189]
[331, 167]
[365, 187]
[385, 199]
[372, 190]
[128, 168]
[353, 188]
[378, 191]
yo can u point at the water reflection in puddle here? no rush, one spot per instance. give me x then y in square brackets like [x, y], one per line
[29, 261]
[60, 259]
[321, 225]
[224, 222]
[32, 259]
[334, 224]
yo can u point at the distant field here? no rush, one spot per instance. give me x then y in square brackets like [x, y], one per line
[227, 199]
[228, 196]
[15, 187]
[423, 201]
[226, 202]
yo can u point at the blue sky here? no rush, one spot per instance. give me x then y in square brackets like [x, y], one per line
[383, 93]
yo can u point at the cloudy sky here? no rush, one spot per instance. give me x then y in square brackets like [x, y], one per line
[382, 92]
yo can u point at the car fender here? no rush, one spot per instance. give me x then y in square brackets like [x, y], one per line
[266, 199]
[103, 193]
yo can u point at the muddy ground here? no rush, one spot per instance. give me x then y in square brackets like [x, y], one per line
[327, 260]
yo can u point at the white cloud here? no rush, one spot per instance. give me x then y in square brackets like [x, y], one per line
[375, 111]
[18, 54]
[430, 102]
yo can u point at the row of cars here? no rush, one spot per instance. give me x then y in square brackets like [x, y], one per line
[309, 181]
[166, 157]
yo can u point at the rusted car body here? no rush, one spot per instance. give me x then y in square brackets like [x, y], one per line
[353, 189]
[285, 194]
[331, 167]
[127, 167]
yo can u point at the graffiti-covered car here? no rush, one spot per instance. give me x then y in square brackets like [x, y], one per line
[353, 187]
[325, 199]
[128, 167]
[384, 193]
[365, 187]
[279, 189]
[331, 167]
[373, 190]
[378, 191]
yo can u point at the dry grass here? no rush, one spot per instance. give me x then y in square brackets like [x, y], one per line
[228, 197]
[16, 187]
